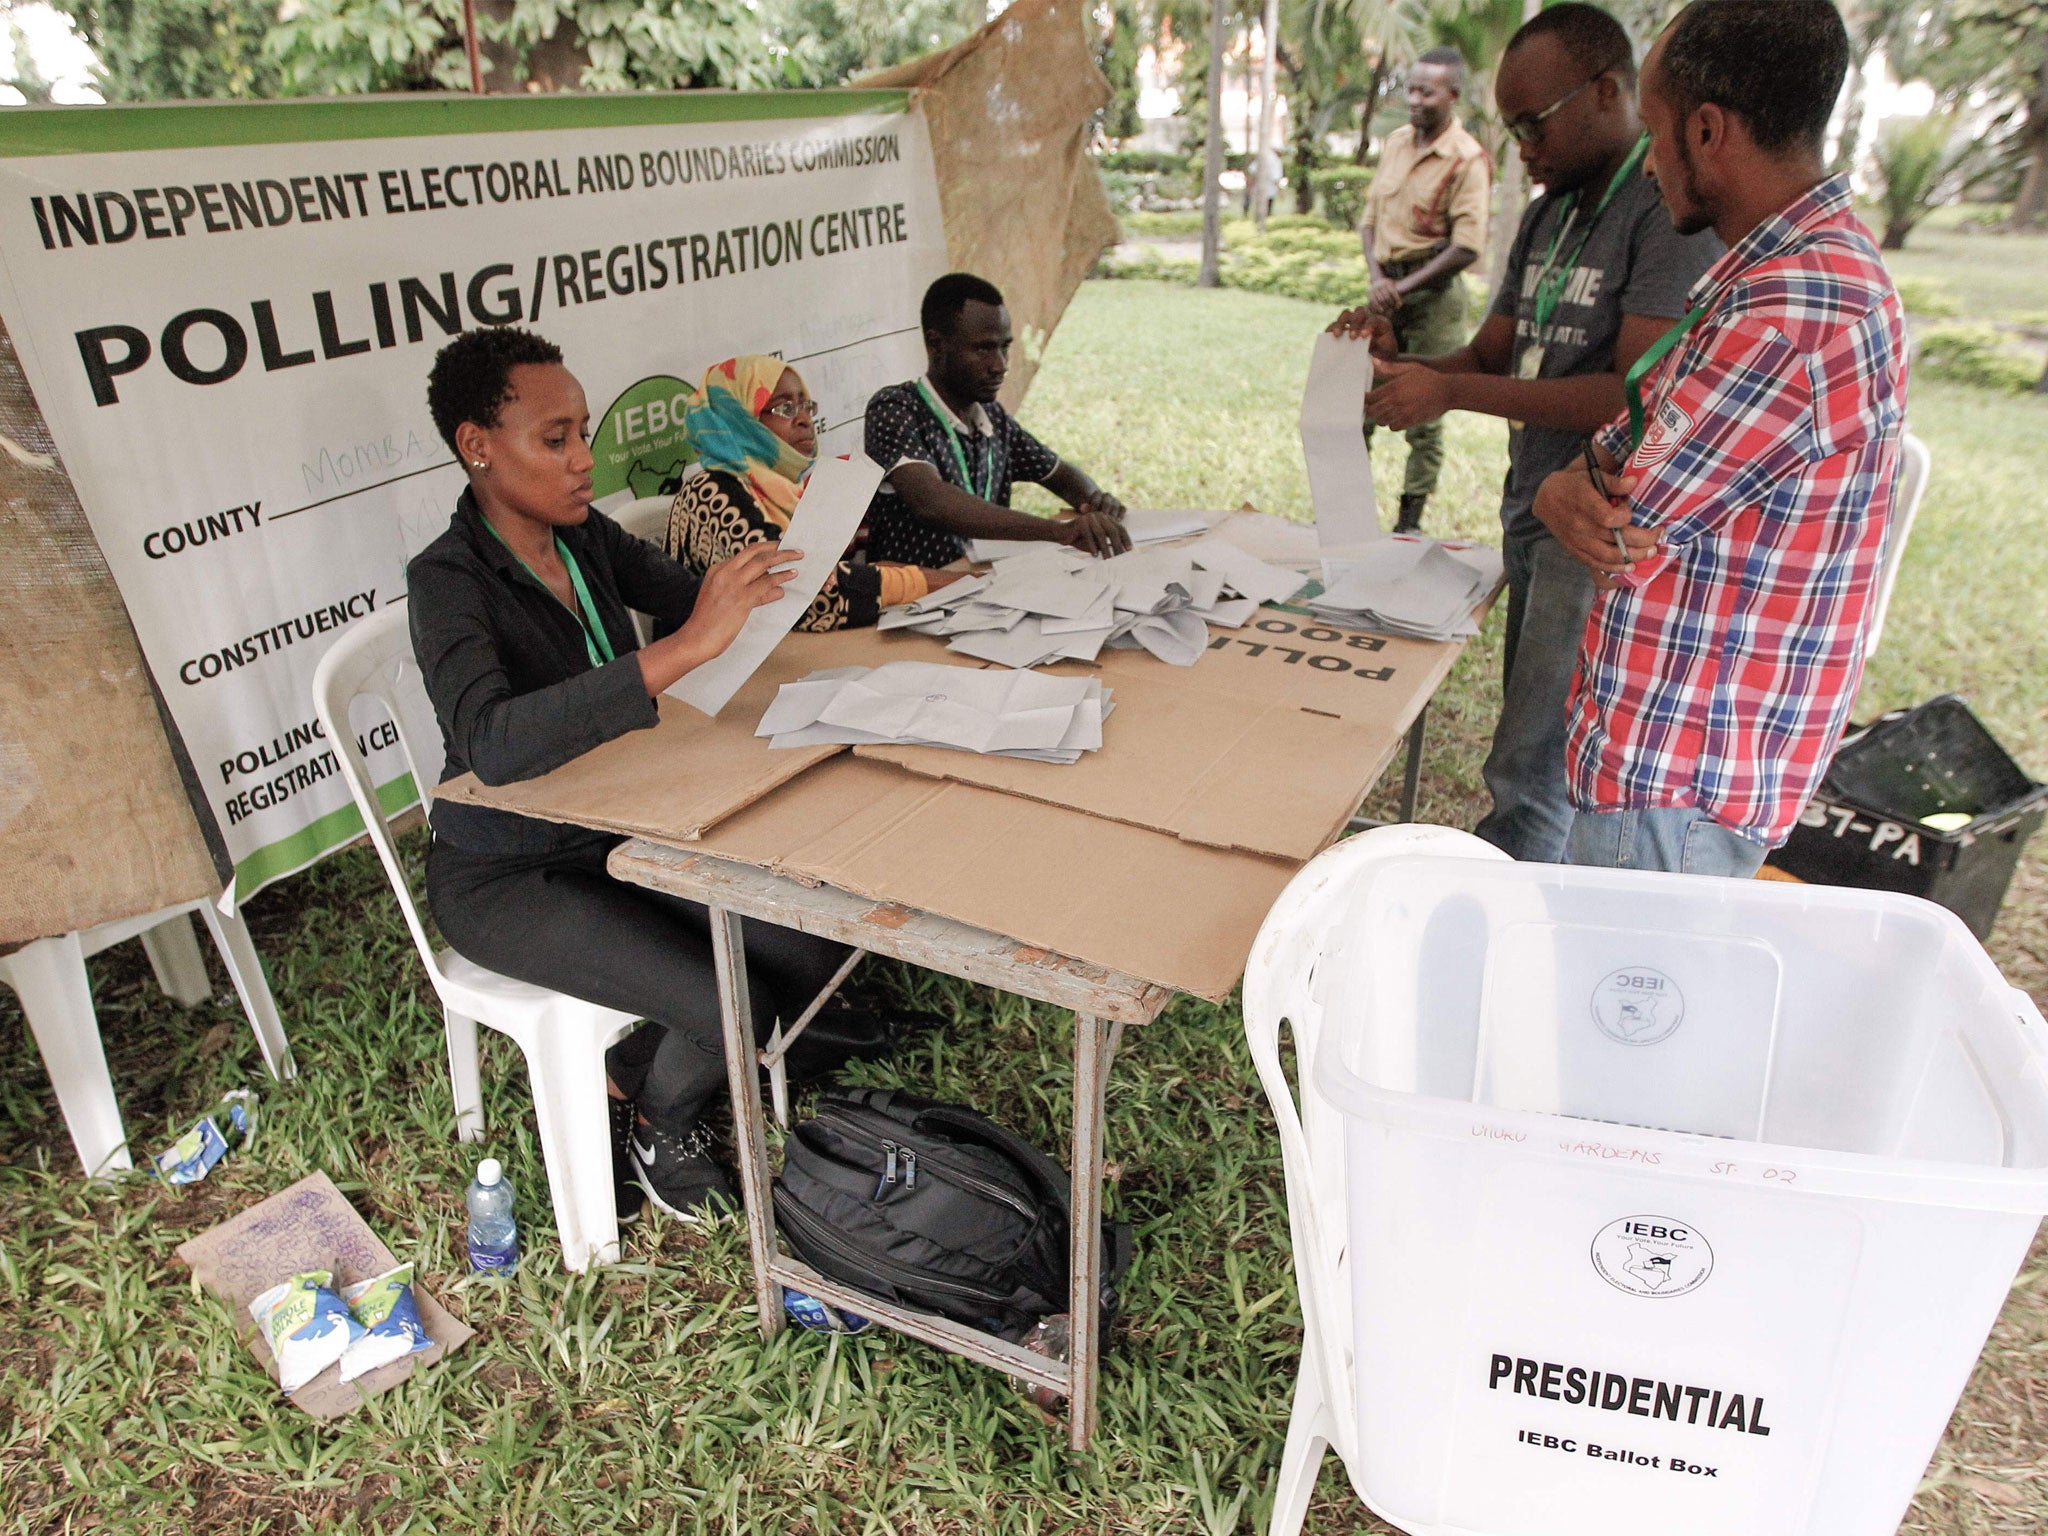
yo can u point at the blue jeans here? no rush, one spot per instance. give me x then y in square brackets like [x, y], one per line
[1549, 597]
[1675, 838]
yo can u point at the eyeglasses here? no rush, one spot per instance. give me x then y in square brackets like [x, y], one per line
[789, 410]
[1529, 128]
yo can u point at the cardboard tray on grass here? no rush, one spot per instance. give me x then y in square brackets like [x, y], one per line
[311, 1225]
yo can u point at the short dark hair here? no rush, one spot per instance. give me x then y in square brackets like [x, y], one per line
[1591, 38]
[1446, 59]
[952, 293]
[1776, 64]
[471, 376]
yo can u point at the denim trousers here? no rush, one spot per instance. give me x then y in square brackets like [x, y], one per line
[1550, 596]
[1675, 838]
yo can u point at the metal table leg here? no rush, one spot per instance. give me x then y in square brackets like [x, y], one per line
[1411, 776]
[1095, 1043]
[735, 1010]
[1411, 781]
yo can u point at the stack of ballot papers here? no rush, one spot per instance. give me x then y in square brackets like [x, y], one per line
[1051, 603]
[1412, 587]
[924, 703]
[1143, 527]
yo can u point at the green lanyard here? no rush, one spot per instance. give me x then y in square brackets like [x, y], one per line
[595, 641]
[1550, 281]
[960, 454]
[1652, 356]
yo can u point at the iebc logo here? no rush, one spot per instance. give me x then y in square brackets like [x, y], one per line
[1652, 1256]
[1638, 1006]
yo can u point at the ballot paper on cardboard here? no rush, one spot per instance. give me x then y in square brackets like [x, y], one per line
[1147, 527]
[827, 516]
[1412, 586]
[967, 709]
[1245, 574]
[1333, 443]
[1048, 876]
[310, 1225]
[689, 773]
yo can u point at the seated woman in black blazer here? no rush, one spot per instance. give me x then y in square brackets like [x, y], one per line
[519, 622]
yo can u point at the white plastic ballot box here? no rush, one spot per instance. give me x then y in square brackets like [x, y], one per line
[1676, 1205]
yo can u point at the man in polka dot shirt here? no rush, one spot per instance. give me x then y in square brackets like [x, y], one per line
[952, 453]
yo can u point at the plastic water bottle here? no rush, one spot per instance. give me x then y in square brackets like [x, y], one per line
[493, 1234]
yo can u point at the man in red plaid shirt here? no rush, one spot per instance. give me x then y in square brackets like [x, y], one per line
[1737, 515]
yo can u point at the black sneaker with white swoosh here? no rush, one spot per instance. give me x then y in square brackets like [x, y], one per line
[678, 1173]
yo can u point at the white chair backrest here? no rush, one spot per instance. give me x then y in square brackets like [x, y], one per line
[1313, 917]
[646, 518]
[1914, 463]
[373, 659]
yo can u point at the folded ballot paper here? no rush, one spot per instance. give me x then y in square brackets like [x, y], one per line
[1050, 603]
[1418, 588]
[928, 704]
[1143, 527]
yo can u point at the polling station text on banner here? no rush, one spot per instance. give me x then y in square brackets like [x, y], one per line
[230, 341]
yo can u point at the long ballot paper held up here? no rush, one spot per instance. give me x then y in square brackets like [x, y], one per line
[1333, 443]
[827, 516]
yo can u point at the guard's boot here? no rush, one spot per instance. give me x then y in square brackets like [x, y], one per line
[1410, 520]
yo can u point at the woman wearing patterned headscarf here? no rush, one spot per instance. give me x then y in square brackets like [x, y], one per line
[753, 426]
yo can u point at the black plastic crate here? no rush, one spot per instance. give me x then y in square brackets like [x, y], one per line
[1867, 825]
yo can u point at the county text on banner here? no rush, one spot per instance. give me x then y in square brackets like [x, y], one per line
[227, 315]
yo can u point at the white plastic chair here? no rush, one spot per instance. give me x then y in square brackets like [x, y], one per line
[563, 1038]
[49, 977]
[1311, 918]
[646, 518]
[1914, 463]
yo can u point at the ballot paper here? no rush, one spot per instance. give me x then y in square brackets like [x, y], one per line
[1414, 587]
[1149, 527]
[1048, 603]
[827, 516]
[1333, 443]
[920, 703]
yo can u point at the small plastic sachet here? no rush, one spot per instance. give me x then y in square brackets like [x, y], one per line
[307, 1326]
[389, 1316]
[192, 1156]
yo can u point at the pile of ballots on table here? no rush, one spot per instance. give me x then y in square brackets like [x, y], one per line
[924, 703]
[1143, 527]
[1050, 603]
[1414, 587]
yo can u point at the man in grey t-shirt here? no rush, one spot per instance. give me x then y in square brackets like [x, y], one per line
[1595, 276]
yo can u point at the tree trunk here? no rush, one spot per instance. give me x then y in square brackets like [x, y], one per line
[1513, 199]
[1212, 171]
[1852, 118]
[1262, 189]
[1894, 235]
[1370, 105]
[2030, 208]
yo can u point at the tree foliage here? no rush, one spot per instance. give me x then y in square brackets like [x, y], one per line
[166, 49]
[179, 50]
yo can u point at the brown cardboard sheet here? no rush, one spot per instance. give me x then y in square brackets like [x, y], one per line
[1149, 905]
[689, 773]
[1195, 762]
[311, 1225]
[1267, 744]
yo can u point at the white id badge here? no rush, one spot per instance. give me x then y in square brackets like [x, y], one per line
[1528, 366]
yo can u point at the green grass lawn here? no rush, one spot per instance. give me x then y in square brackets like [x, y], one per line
[639, 1399]
[1992, 276]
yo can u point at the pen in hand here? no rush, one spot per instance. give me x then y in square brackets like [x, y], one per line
[1600, 484]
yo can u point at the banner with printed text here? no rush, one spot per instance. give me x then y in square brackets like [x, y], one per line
[227, 315]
